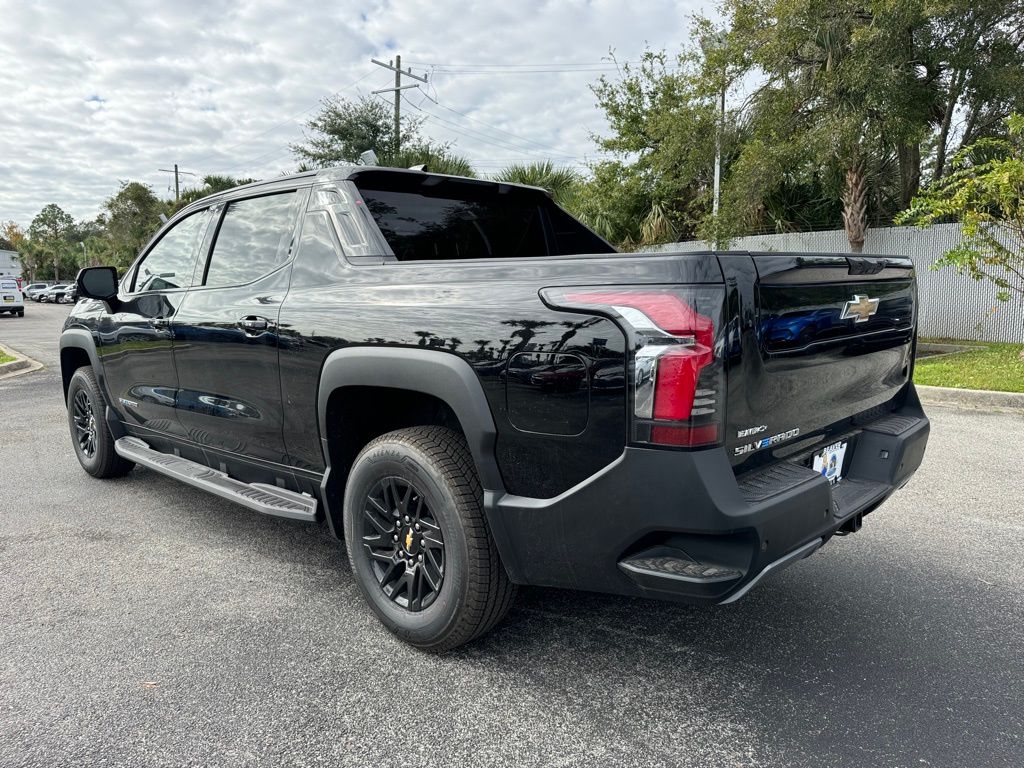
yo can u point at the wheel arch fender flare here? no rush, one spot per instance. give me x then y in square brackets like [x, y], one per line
[443, 375]
[79, 338]
[82, 339]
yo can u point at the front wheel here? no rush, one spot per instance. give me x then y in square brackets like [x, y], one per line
[90, 435]
[418, 541]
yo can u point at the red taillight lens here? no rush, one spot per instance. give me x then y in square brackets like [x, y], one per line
[676, 385]
[677, 379]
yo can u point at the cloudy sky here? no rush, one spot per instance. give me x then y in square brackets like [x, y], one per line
[98, 92]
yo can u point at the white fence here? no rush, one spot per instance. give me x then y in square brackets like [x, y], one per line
[951, 305]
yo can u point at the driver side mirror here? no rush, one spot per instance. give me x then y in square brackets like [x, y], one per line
[97, 283]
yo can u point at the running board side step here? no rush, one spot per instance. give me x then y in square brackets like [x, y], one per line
[260, 497]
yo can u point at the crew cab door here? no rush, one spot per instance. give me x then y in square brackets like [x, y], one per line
[135, 341]
[226, 332]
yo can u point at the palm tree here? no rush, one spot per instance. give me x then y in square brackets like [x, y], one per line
[561, 182]
[433, 160]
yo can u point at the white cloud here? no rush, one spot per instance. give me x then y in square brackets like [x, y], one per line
[100, 92]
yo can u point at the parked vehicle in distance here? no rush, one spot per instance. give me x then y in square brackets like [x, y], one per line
[50, 294]
[11, 299]
[66, 295]
[475, 391]
[32, 289]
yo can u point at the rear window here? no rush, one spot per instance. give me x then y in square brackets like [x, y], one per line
[8, 285]
[254, 239]
[425, 217]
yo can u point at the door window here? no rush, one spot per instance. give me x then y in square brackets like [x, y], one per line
[169, 263]
[254, 239]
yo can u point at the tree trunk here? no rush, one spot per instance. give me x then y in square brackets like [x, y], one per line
[941, 146]
[855, 206]
[910, 172]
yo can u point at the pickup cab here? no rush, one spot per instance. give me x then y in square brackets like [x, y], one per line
[474, 391]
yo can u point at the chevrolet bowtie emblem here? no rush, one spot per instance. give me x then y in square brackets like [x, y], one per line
[408, 539]
[860, 308]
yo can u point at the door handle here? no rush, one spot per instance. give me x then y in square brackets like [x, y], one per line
[160, 322]
[254, 323]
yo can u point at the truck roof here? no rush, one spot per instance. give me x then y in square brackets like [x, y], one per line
[347, 172]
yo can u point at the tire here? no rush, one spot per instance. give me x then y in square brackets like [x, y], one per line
[452, 593]
[21, 313]
[90, 435]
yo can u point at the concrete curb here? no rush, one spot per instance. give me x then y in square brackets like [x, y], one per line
[978, 399]
[21, 364]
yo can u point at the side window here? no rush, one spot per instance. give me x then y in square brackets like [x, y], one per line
[170, 262]
[255, 238]
[317, 261]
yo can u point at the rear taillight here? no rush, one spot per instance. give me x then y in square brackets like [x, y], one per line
[677, 375]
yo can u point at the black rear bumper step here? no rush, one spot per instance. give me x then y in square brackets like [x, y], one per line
[670, 569]
[664, 566]
[266, 499]
[758, 486]
[853, 495]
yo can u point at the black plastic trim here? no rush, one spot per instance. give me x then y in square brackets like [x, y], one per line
[80, 338]
[440, 374]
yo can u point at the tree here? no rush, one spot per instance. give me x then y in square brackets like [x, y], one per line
[12, 236]
[51, 233]
[562, 183]
[842, 91]
[976, 60]
[663, 119]
[212, 184]
[344, 129]
[131, 217]
[435, 158]
[984, 192]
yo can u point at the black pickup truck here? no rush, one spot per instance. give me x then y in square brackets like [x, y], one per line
[475, 391]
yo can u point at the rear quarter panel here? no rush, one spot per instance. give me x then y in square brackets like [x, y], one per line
[487, 313]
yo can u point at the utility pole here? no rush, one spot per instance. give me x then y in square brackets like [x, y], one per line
[713, 46]
[396, 65]
[177, 186]
[718, 153]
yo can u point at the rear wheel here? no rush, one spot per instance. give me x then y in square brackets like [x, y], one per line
[418, 541]
[90, 435]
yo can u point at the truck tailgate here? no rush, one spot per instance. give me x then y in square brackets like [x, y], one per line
[833, 338]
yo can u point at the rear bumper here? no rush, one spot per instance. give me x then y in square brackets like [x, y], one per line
[681, 526]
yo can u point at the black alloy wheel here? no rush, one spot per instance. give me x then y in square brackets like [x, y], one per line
[85, 423]
[90, 433]
[404, 542]
[418, 540]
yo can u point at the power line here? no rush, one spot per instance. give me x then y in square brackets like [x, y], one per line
[473, 134]
[502, 130]
[499, 72]
[498, 65]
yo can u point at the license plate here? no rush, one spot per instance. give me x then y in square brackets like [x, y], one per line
[828, 462]
[8, 299]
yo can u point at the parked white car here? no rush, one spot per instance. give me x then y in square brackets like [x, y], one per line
[11, 298]
[52, 294]
[32, 289]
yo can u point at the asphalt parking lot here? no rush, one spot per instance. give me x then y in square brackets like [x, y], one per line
[145, 623]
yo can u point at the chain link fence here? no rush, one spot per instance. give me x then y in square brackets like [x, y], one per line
[951, 305]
